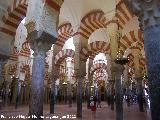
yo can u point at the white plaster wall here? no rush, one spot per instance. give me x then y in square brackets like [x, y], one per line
[99, 35]
[20, 38]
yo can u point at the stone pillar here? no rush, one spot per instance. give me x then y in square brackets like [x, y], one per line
[1, 69]
[55, 72]
[41, 23]
[138, 78]
[27, 93]
[18, 91]
[90, 75]
[40, 43]
[140, 93]
[112, 93]
[3, 61]
[7, 93]
[79, 96]
[127, 84]
[118, 71]
[14, 89]
[69, 93]
[80, 70]
[149, 17]
[52, 95]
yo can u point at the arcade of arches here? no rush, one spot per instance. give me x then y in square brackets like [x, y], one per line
[58, 52]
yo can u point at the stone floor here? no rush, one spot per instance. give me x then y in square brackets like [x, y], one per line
[62, 111]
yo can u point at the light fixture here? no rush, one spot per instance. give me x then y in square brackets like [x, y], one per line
[64, 83]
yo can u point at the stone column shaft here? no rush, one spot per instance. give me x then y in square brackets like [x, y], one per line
[37, 84]
[80, 70]
[79, 97]
[140, 93]
[69, 93]
[118, 71]
[18, 95]
[52, 96]
[149, 16]
[55, 72]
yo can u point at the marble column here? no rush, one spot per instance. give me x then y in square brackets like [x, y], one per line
[79, 96]
[52, 96]
[69, 93]
[37, 83]
[118, 71]
[14, 90]
[80, 70]
[88, 94]
[90, 78]
[138, 78]
[112, 93]
[7, 93]
[18, 91]
[40, 43]
[55, 73]
[3, 61]
[149, 17]
[140, 93]
[1, 69]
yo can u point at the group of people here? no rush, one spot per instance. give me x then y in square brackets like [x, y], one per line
[95, 102]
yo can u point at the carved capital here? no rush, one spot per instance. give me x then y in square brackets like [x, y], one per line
[146, 10]
[117, 68]
[40, 41]
[31, 26]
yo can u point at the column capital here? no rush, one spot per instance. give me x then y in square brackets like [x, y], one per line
[117, 68]
[40, 41]
[146, 10]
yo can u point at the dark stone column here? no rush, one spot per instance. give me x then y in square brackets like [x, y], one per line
[3, 61]
[40, 43]
[52, 96]
[79, 97]
[152, 48]
[149, 16]
[112, 93]
[69, 93]
[55, 73]
[18, 90]
[5, 88]
[140, 94]
[118, 71]
[88, 94]
[37, 84]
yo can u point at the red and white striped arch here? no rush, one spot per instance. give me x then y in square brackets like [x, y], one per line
[55, 4]
[129, 39]
[25, 66]
[92, 21]
[142, 65]
[14, 16]
[14, 54]
[131, 65]
[25, 51]
[98, 66]
[94, 48]
[65, 31]
[62, 55]
[12, 69]
[99, 75]
[123, 14]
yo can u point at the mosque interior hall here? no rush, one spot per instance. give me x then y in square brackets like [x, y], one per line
[80, 59]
